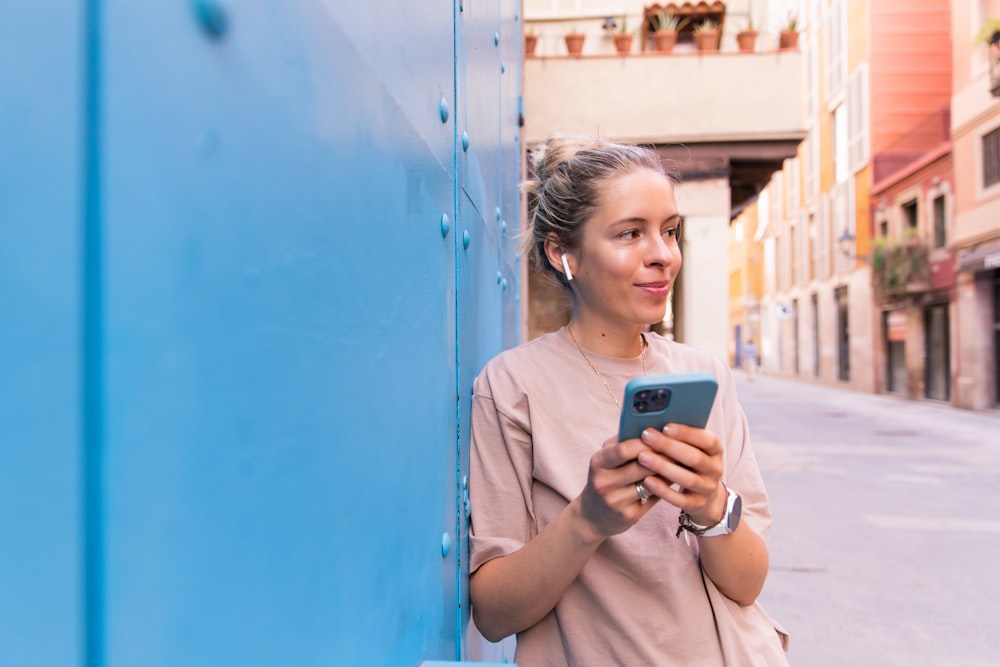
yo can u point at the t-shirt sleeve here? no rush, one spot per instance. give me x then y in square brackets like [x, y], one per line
[502, 519]
[742, 470]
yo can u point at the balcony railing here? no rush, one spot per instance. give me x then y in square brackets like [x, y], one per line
[902, 267]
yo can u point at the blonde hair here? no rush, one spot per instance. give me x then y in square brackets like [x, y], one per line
[564, 190]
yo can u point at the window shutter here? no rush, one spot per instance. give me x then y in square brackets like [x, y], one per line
[857, 119]
[835, 49]
[823, 238]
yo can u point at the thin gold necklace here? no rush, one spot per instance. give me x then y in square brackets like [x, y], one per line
[642, 357]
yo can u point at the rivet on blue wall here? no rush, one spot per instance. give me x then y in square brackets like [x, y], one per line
[465, 141]
[498, 213]
[211, 17]
[503, 227]
[445, 544]
[503, 284]
[496, 39]
[466, 239]
[445, 225]
[499, 277]
[443, 109]
[503, 68]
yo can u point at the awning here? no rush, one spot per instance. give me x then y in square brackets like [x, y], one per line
[985, 258]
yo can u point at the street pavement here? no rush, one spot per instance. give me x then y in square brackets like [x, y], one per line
[885, 546]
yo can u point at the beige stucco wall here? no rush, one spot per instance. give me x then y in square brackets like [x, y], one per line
[665, 98]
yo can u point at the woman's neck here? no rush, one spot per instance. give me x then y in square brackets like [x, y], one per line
[621, 341]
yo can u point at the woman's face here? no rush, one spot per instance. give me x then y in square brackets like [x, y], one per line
[629, 254]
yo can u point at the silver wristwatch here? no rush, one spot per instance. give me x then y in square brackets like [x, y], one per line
[730, 520]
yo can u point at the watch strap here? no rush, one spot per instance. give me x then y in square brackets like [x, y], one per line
[728, 523]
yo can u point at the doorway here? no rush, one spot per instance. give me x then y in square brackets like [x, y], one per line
[938, 352]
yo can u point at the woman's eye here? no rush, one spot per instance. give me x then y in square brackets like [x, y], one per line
[629, 235]
[672, 233]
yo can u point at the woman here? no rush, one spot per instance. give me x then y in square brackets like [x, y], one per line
[573, 538]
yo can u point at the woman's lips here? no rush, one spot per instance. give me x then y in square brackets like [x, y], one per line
[658, 288]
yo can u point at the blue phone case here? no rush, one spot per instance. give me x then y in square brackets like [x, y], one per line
[653, 401]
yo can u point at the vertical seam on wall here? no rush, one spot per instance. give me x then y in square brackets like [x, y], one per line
[459, 541]
[92, 352]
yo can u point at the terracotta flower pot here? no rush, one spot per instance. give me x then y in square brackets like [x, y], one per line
[747, 39]
[530, 43]
[788, 39]
[623, 43]
[664, 40]
[574, 43]
[707, 41]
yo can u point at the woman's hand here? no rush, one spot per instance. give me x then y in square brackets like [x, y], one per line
[686, 470]
[685, 466]
[610, 501]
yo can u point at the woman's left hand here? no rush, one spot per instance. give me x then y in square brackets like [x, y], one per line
[686, 470]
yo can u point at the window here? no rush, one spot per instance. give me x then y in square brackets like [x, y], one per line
[910, 217]
[836, 43]
[811, 242]
[883, 229]
[840, 144]
[811, 167]
[940, 223]
[823, 236]
[793, 254]
[991, 158]
[857, 121]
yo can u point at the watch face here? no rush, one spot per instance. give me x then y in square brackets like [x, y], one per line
[734, 516]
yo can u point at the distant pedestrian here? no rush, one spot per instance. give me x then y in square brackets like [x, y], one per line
[750, 359]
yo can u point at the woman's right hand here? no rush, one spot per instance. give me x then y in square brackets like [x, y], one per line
[610, 501]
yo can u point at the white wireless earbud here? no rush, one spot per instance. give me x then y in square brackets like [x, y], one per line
[569, 274]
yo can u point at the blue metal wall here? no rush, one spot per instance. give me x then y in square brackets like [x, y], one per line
[251, 257]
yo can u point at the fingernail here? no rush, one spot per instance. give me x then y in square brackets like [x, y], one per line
[670, 430]
[646, 459]
[647, 435]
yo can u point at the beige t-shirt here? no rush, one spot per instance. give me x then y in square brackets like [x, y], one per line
[539, 412]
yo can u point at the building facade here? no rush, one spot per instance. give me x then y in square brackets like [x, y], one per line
[871, 194]
[975, 129]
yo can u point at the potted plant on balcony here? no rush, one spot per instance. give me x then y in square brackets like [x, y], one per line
[900, 267]
[747, 39]
[706, 36]
[530, 41]
[623, 39]
[665, 27]
[574, 42]
[788, 38]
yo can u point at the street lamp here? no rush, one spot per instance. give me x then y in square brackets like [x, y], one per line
[846, 243]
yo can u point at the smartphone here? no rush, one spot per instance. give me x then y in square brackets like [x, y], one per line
[653, 401]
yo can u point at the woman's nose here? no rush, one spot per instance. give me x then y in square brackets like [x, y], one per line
[662, 250]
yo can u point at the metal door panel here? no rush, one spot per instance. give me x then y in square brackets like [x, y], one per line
[41, 119]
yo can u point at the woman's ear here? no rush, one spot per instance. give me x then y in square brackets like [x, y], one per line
[558, 258]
